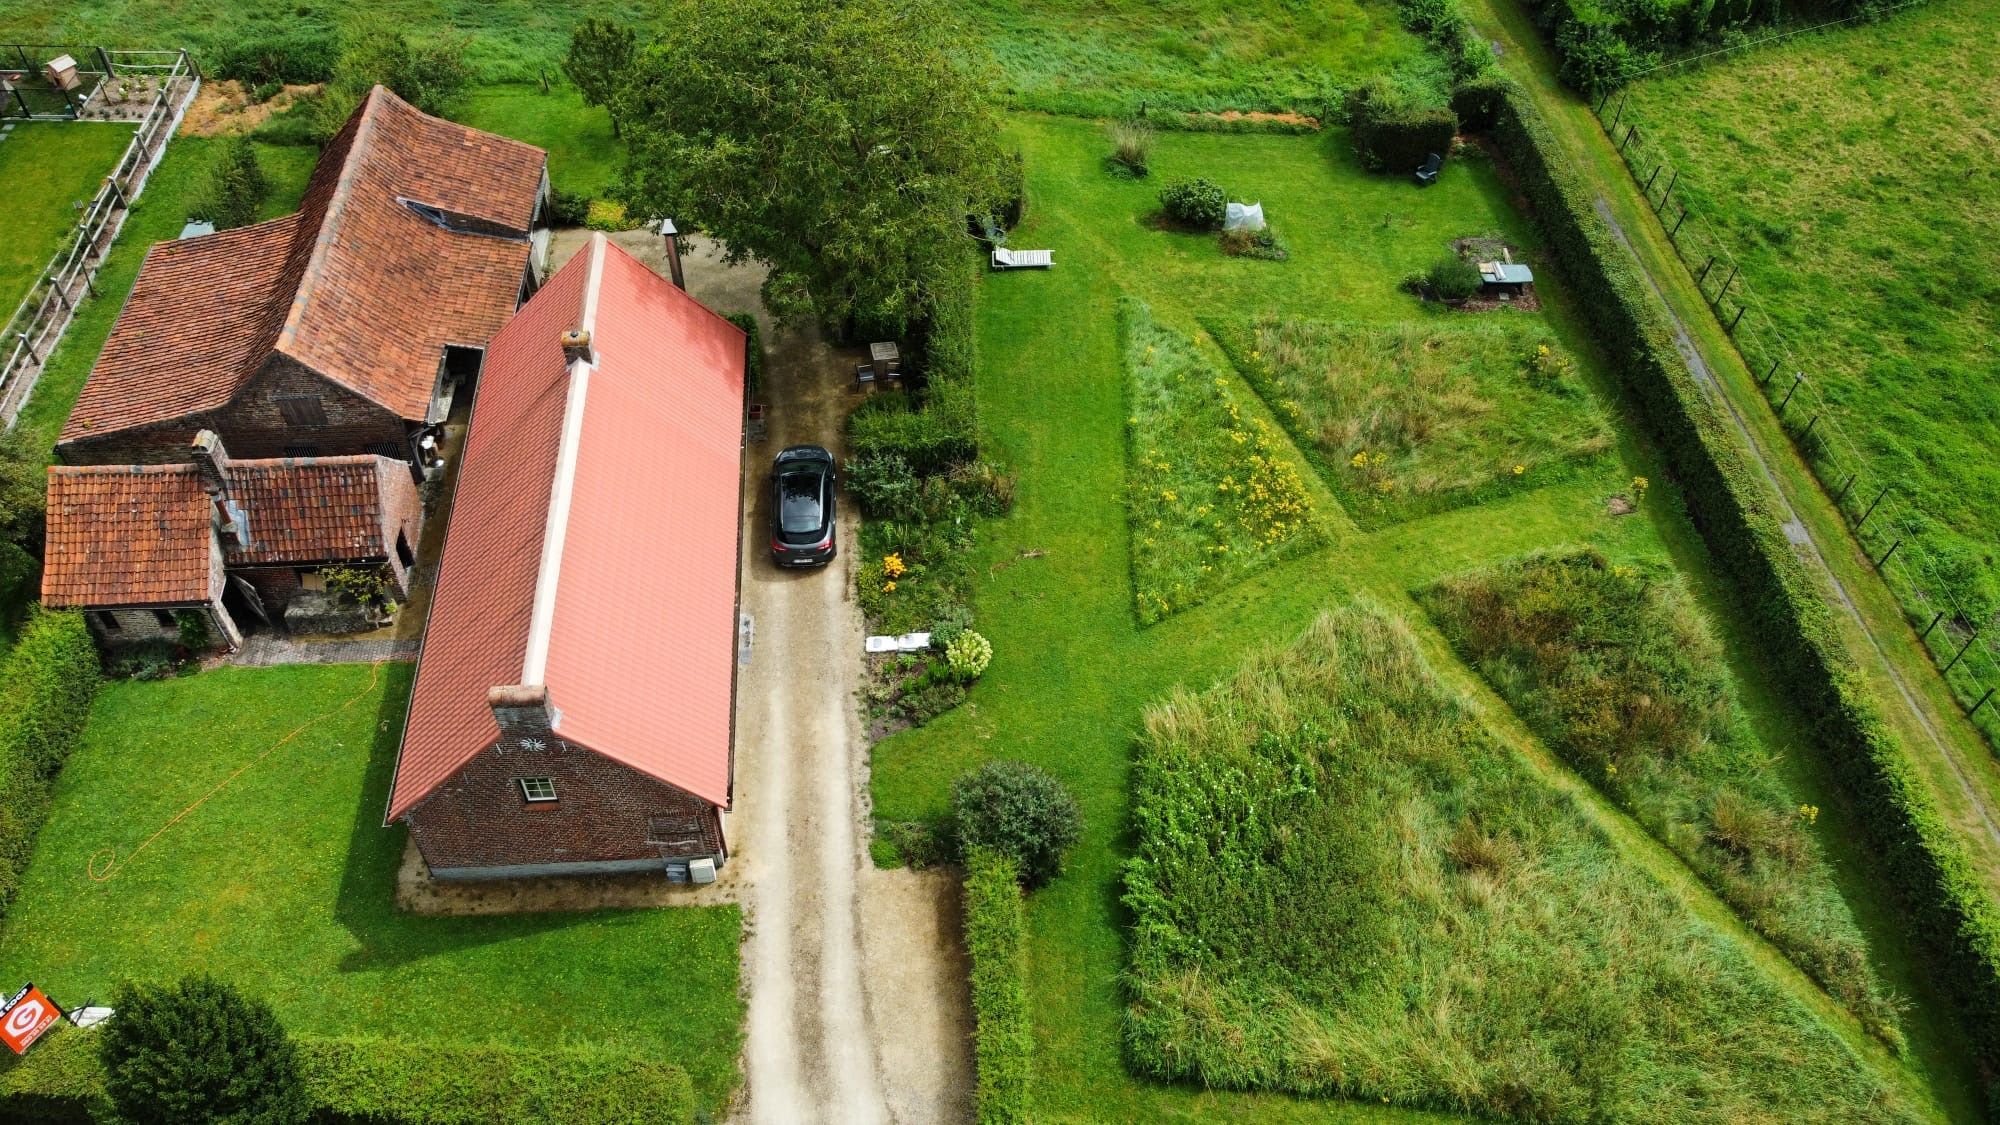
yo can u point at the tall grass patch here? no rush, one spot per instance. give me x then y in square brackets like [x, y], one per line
[1214, 491]
[1344, 886]
[1410, 419]
[1615, 669]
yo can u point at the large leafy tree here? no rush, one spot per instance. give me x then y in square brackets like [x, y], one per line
[199, 1052]
[841, 142]
[600, 53]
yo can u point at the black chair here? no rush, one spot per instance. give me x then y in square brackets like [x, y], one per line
[1428, 174]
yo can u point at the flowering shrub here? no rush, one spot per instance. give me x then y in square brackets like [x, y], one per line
[968, 654]
[1215, 491]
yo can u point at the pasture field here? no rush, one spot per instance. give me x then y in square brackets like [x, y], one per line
[280, 878]
[47, 168]
[1345, 884]
[1444, 410]
[1853, 176]
[1074, 668]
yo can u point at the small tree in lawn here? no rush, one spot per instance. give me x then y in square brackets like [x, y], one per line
[236, 186]
[600, 52]
[1019, 811]
[197, 1052]
[841, 144]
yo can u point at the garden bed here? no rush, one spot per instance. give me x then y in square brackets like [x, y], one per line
[1416, 418]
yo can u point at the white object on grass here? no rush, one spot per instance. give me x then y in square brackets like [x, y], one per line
[1243, 216]
[1005, 259]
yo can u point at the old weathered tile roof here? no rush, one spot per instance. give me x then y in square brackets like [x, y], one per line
[411, 236]
[142, 534]
[593, 539]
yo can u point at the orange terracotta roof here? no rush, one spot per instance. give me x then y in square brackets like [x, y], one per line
[635, 463]
[127, 535]
[357, 285]
[143, 534]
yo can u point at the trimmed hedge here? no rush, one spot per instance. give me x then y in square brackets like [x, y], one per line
[753, 360]
[1396, 128]
[936, 429]
[46, 685]
[1736, 512]
[394, 1082]
[296, 57]
[1003, 1037]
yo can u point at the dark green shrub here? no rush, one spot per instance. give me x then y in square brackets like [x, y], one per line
[890, 425]
[1780, 600]
[1477, 101]
[297, 57]
[568, 208]
[753, 359]
[46, 685]
[1014, 185]
[1198, 204]
[600, 55]
[18, 569]
[1396, 125]
[1003, 1038]
[1452, 278]
[1020, 811]
[198, 1051]
[236, 187]
[264, 92]
[430, 73]
[885, 487]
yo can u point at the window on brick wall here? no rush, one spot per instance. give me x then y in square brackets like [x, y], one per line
[165, 619]
[538, 789]
[302, 410]
[309, 578]
[403, 553]
[108, 621]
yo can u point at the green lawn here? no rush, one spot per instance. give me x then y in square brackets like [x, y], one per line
[279, 877]
[1083, 57]
[1852, 176]
[50, 170]
[584, 157]
[1073, 669]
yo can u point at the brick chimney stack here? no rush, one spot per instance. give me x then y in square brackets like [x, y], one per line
[576, 345]
[211, 463]
[523, 709]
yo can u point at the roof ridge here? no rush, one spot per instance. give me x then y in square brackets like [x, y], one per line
[330, 217]
[541, 619]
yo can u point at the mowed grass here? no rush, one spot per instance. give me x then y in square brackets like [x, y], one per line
[1853, 174]
[1344, 884]
[1105, 58]
[279, 877]
[49, 170]
[1216, 493]
[584, 156]
[1615, 669]
[1444, 410]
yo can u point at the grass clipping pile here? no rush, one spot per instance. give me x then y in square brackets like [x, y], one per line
[1345, 886]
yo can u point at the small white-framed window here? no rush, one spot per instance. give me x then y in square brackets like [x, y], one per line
[536, 790]
[310, 578]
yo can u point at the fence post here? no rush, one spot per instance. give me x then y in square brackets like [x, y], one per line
[1669, 193]
[1647, 191]
[1925, 635]
[1766, 380]
[1621, 111]
[1797, 378]
[1629, 130]
[1739, 316]
[29, 345]
[1981, 703]
[1884, 560]
[1804, 437]
[106, 60]
[1725, 283]
[1705, 267]
[1677, 222]
[1871, 507]
[1842, 494]
[1961, 650]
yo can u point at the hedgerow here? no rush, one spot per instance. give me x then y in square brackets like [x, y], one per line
[46, 685]
[394, 1082]
[1736, 513]
[1003, 1037]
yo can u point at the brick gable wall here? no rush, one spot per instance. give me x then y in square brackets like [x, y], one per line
[605, 813]
[253, 425]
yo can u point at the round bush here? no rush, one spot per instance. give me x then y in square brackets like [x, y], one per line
[1019, 811]
[968, 653]
[1196, 203]
[1453, 278]
[199, 1051]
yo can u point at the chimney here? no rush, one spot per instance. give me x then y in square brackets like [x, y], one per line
[211, 464]
[576, 345]
[522, 709]
[672, 235]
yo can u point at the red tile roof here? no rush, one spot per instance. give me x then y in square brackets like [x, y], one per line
[141, 534]
[647, 521]
[356, 285]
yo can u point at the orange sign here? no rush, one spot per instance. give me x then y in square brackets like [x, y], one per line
[26, 1017]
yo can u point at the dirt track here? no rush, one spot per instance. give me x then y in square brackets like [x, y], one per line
[854, 977]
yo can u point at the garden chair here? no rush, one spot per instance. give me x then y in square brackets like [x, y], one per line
[1428, 174]
[1005, 259]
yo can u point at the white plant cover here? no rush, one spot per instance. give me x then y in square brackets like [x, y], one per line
[1244, 216]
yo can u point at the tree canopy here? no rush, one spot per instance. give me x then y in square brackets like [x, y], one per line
[600, 54]
[842, 142]
[199, 1051]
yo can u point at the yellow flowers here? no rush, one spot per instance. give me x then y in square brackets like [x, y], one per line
[889, 587]
[892, 565]
[1547, 365]
[1359, 460]
[1169, 495]
[1809, 813]
[1519, 469]
[1639, 487]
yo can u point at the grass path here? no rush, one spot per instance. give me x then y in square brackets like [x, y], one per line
[1072, 670]
[1952, 755]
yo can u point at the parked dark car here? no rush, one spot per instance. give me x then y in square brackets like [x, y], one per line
[802, 493]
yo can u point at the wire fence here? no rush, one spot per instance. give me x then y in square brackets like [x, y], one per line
[1962, 640]
[39, 321]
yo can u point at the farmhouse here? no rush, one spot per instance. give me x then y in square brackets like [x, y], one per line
[340, 329]
[574, 699]
[144, 548]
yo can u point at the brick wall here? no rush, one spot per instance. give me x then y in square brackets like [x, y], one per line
[604, 812]
[253, 424]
